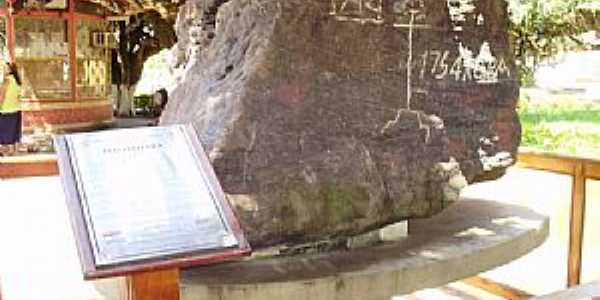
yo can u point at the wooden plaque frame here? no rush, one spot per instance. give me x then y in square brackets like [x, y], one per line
[84, 239]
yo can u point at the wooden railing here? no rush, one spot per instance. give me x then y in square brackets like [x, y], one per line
[580, 169]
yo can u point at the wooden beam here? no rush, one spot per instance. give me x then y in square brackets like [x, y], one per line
[558, 163]
[546, 162]
[60, 100]
[41, 13]
[53, 14]
[576, 226]
[89, 17]
[159, 285]
[497, 289]
[27, 169]
[592, 170]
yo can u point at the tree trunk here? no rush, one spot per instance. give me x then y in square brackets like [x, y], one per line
[125, 100]
[144, 35]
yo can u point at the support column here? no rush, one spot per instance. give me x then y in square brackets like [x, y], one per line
[158, 285]
[10, 31]
[576, 226]
[72, 28]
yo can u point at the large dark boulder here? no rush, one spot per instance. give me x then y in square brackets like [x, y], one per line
[314, 123]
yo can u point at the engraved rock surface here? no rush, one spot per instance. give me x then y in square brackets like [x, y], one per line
[332, 117]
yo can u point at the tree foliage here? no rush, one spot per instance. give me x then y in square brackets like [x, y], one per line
[143, 36]
[544, 28]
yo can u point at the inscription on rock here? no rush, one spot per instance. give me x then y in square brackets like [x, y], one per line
[329, 118]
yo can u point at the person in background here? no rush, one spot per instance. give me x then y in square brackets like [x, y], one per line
[160, 101]
[10, 110]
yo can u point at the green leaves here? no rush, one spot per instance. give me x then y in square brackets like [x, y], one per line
[544, 28]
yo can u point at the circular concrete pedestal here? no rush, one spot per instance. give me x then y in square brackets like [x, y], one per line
[468, 238]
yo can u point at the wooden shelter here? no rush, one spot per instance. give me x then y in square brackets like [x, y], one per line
[63, 51]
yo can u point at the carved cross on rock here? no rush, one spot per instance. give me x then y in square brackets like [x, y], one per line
[302, 107]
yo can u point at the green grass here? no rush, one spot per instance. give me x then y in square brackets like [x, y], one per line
[564, 126]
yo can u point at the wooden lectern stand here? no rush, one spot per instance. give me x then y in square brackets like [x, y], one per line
[145, 203]
[159, 285]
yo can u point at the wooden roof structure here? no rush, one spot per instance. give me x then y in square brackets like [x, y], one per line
[128, 7]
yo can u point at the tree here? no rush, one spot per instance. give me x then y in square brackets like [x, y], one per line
[144, 35]
[544, 28]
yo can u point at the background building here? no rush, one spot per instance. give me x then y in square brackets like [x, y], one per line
[68, 53]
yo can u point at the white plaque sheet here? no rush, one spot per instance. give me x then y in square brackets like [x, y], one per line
[144, 194]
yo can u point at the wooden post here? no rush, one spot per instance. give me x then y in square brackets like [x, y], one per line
[72, 29]
[10, 31]
[157, 285]
[576, 226]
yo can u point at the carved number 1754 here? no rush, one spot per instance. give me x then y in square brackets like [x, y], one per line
[440, 65]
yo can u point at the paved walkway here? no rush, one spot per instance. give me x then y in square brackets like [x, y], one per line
[37, 248]
[36, 256]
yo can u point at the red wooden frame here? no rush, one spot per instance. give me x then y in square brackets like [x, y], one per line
[10, 31]
[49, 14]
[71, 16]
[72, 28]
[57, 14]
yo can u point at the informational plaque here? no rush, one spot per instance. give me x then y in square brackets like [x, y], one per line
[143, 199]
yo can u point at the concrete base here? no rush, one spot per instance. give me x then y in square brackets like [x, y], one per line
[464, 240]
